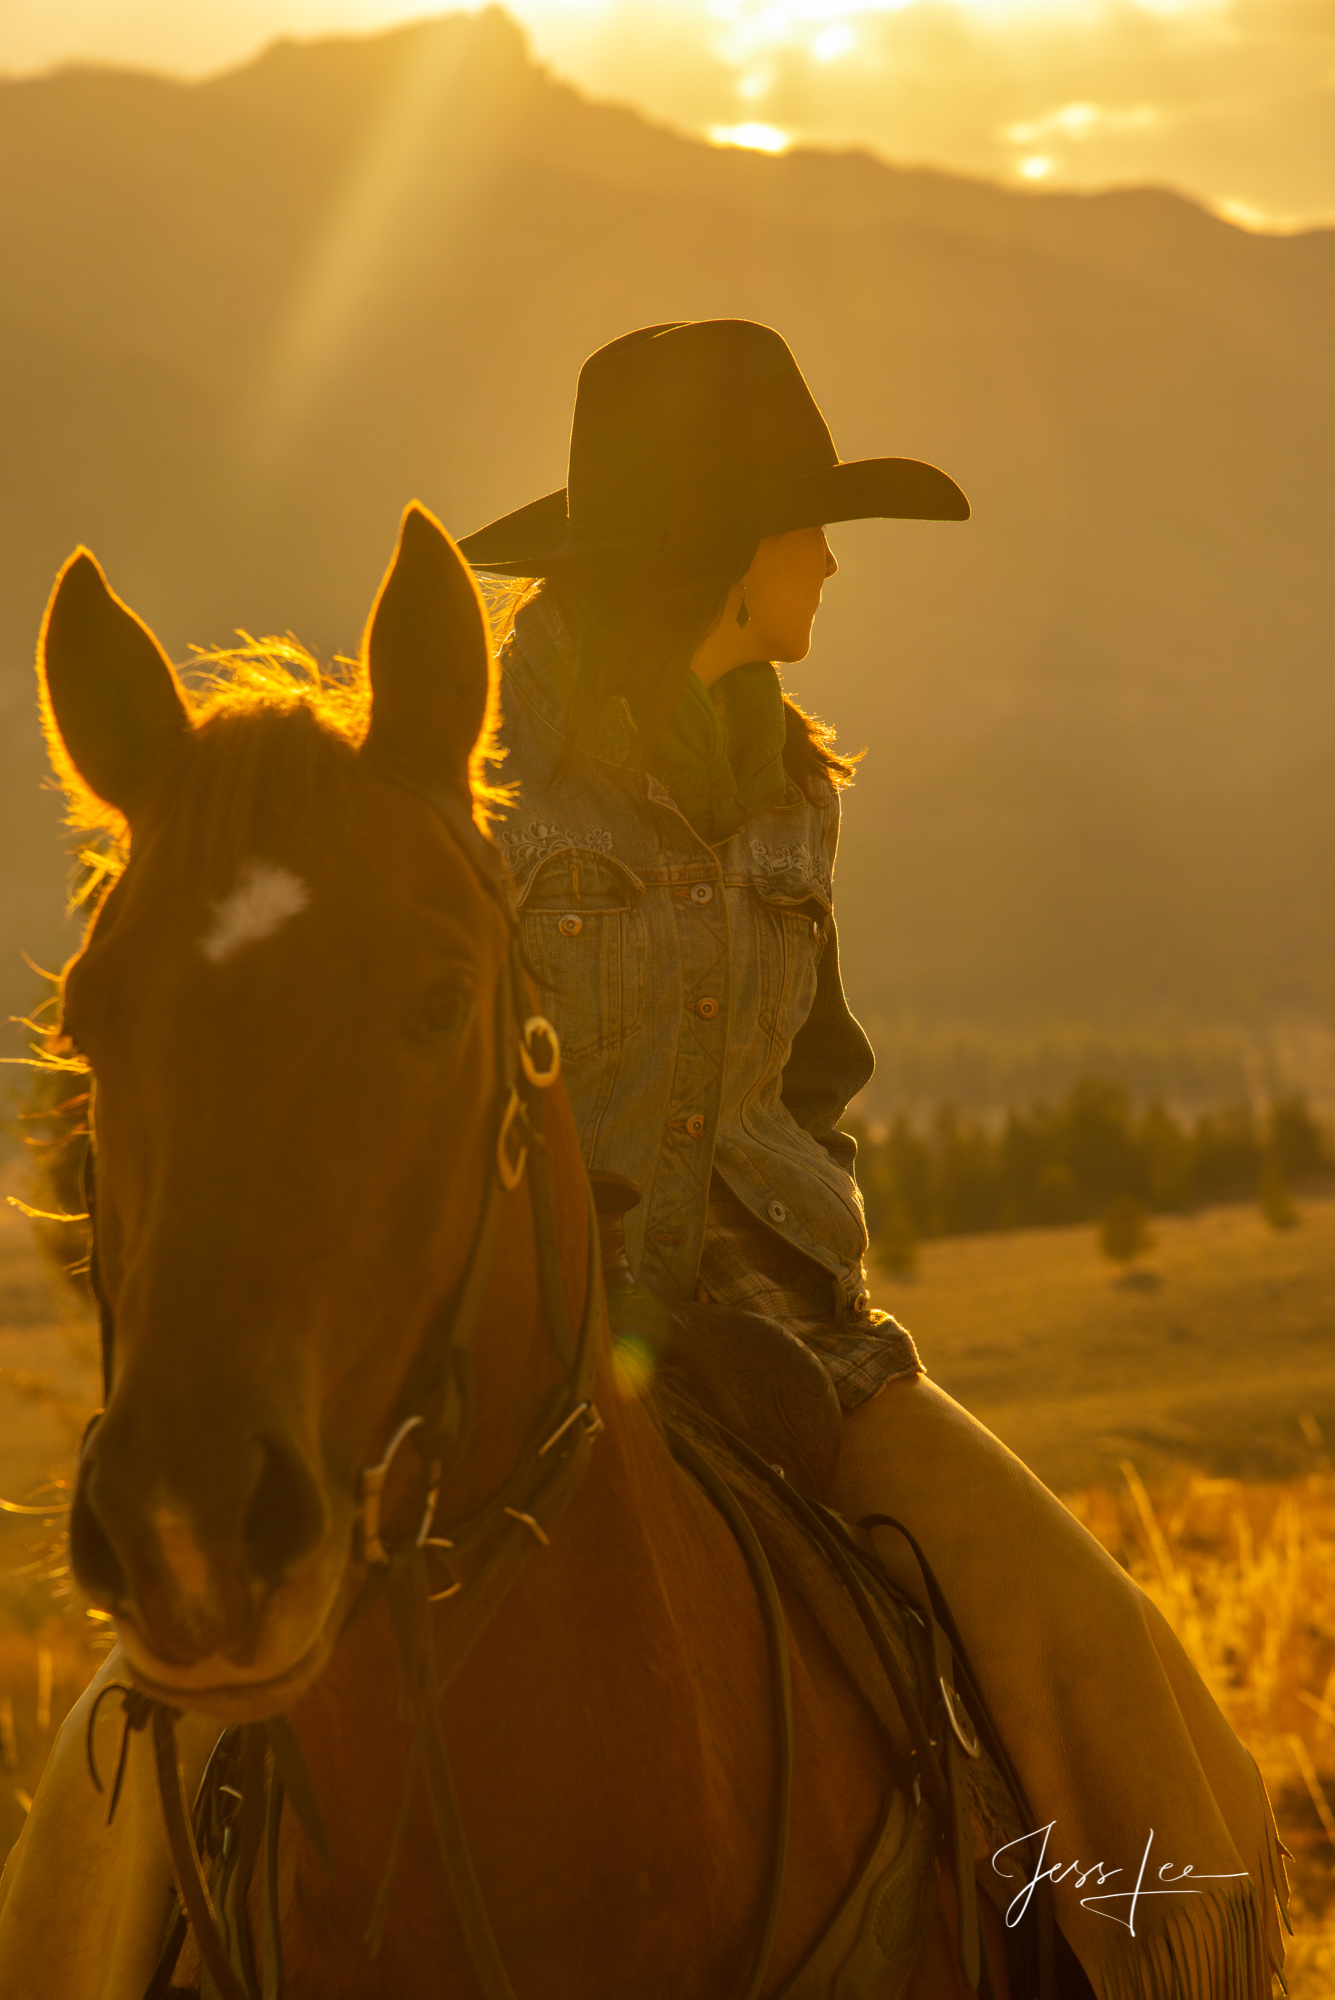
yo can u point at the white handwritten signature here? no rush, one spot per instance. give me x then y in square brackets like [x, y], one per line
[1059, 1872]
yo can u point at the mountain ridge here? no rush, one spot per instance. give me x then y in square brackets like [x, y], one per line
[246, 318]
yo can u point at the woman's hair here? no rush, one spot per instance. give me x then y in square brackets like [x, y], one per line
[636, 629]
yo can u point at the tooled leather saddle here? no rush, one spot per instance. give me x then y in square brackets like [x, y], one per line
[744, 1369]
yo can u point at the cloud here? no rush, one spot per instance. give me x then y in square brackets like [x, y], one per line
[1230, 100]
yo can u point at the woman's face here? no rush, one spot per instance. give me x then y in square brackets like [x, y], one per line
[783, 587]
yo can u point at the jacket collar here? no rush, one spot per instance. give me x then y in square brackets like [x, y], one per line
[538, 648]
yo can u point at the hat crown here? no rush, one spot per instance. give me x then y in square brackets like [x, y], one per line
[694, 420]
[698, 438]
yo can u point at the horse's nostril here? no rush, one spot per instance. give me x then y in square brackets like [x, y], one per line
[94, 1561]
[284, 1516]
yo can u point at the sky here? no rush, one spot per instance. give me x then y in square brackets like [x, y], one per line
[1232, 101]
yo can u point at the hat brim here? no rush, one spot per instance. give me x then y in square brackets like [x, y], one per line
[867, 489]
[537, 539]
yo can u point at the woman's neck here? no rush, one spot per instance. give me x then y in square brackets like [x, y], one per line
[726, 646]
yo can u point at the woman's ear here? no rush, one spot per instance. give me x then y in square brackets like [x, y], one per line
[109, 696]
[428, 652]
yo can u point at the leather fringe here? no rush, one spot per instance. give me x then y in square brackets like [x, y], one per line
[1211, 1945]
[1223, 1941]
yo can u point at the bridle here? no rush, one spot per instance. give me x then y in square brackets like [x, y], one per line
[483, 1554]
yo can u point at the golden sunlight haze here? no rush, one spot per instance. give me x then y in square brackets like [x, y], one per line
[1229, 100]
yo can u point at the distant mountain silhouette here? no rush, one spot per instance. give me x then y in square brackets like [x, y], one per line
[242, 322]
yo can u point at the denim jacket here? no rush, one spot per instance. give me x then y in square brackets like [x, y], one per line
[695, 989]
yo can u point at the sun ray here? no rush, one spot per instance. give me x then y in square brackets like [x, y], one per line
[338, 284]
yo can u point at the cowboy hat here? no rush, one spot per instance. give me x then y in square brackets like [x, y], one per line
[696, 434]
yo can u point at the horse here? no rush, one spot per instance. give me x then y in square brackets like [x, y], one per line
[319, 1094]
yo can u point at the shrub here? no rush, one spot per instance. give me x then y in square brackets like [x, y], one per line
[1124, 1232]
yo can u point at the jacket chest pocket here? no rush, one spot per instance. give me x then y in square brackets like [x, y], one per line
[584, 939]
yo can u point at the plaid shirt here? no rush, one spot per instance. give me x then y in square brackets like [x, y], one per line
[749, 1267]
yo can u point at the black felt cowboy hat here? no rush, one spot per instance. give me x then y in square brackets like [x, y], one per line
[696, 435]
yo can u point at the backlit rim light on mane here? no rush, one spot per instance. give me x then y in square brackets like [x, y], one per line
[271, 672]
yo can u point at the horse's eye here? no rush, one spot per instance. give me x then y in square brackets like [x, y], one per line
[440, 1014]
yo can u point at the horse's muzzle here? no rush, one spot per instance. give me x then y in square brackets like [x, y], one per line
[213, 1549]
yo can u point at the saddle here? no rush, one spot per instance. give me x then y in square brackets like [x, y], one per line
[751, 1412]
[747, 1371]
[954, 1790]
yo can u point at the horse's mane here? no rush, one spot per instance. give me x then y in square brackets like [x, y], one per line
[271, 727]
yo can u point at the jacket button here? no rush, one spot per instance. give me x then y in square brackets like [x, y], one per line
[706, 1009]
[702, 892]
[570, 926]
[777, 1212]
[695, 1126]
[815, 928]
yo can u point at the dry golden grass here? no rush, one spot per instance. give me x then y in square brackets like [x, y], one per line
[1245, 1574]
[1088, 1379]
[49, 1647]
[44, 1667]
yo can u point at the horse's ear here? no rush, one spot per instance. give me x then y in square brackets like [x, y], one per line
[428, 650]
[108, 693]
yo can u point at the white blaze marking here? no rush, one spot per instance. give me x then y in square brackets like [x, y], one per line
[181, 1552]
[263, 900]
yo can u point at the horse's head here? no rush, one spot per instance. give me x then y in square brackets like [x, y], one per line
[288, 1001]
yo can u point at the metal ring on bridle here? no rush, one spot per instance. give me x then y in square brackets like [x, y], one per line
[510, 1163]
[373, 1485]
[537, 1026]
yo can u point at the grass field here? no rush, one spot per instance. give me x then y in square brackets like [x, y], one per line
[1182, 1415]
[48, 1386]
[1217, 1353]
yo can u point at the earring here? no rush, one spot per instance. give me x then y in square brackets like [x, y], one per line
[743, 615]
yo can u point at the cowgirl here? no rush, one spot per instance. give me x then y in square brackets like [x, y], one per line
[673, 843]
